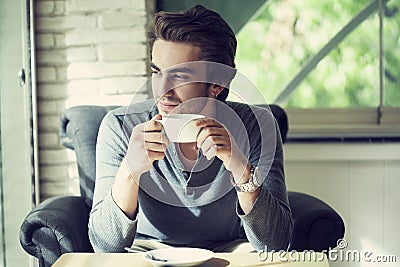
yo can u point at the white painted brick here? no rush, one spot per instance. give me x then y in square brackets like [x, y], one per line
[122, 19]
[49, 123]
[45, 40]
[78, 6]
[53, 173]
[47, 107]
[122, 52]
[139, 86]
[59, 8]
[54, 156]
[81, 54]
[105, 100]
[54, 8]
[73, 170]
[63, 23]
[97, 36]
[49, 140]
[138, 98]
[139, 4]
[69, 43]
[59, 40]
[61, 73]
[71, 156]
[45, 74]
[60, 188]
[60, 105]
[82, 88]
[108, 90]
[52, 91]
[51, 107]
[102, 69]
[44, 7]
[50, 56]
[122, 85]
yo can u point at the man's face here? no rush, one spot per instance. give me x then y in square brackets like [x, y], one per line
[173, 75]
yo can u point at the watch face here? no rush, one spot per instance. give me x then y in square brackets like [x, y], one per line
[255, 181]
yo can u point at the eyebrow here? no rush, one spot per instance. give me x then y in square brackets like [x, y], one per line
[173, 70]
[154, 66]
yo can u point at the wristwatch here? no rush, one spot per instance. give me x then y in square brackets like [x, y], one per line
[254, 182]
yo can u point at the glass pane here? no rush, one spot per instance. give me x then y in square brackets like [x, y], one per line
[2, 248]
[391, 44]
[275, 45]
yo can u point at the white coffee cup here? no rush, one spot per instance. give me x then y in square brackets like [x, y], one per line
[180, 128]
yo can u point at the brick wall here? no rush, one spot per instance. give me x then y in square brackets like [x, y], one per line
[88, 52]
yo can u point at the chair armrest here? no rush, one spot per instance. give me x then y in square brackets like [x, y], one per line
[56, 226]
[316, 225]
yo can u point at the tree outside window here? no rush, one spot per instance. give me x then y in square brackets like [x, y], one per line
[279, 40]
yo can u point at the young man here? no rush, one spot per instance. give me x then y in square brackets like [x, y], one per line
[223, 191]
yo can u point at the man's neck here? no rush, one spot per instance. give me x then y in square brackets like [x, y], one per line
[187, 153]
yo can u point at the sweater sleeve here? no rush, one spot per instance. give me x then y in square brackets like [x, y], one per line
[268, 225]
[110, 230]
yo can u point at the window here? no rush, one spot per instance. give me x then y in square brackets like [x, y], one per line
[333, 65]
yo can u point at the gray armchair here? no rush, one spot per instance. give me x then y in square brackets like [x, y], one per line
[60, 224]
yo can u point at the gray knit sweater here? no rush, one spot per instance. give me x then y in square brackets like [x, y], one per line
[196, 207]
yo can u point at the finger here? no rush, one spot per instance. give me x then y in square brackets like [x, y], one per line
[212, 141]
[206, 145]
[155, 137]
[210, 152]
[165, 140]
[153, 125]
[156, 147]
[207, 122]
[154, 155]
[209, 131]
[212, 145]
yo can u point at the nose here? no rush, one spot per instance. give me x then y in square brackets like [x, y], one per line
[168, 92]
[162, 85]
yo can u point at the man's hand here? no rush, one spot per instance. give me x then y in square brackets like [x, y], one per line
[146, 145]
[215, 140]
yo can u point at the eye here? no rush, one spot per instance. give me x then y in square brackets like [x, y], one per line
[178, 76]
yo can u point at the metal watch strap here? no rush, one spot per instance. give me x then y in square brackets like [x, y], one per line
[250, 186]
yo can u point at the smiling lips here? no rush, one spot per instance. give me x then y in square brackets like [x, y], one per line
[168, 106]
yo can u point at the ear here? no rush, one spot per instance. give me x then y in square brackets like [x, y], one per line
[214, 90]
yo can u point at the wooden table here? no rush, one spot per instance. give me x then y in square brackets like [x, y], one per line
[297, 259]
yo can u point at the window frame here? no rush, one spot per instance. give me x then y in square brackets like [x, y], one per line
[343, 124]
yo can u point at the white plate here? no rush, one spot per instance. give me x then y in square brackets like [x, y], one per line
[178, 256]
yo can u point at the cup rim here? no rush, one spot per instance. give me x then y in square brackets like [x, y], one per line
[183, 116]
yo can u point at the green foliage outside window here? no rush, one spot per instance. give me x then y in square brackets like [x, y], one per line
[274, 45]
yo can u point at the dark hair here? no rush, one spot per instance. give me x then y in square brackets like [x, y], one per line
[199, 27]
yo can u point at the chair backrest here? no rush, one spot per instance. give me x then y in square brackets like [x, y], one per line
[280, 117]
[79, 129]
